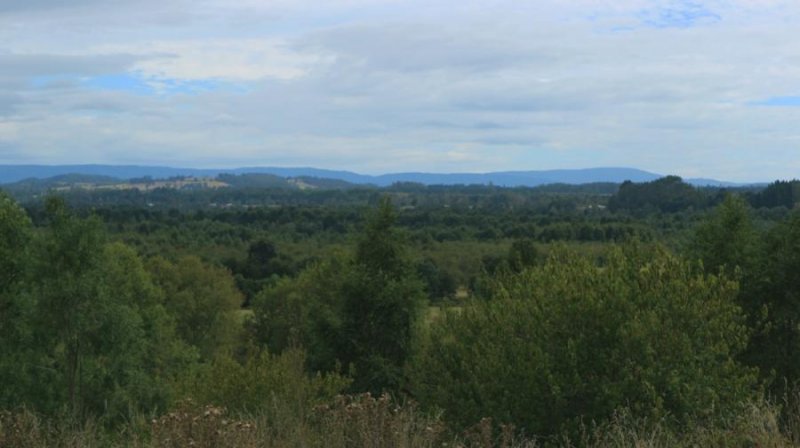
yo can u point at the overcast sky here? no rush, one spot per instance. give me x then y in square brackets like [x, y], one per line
[694, 88]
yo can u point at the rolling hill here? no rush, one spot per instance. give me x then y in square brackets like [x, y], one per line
[16, 173]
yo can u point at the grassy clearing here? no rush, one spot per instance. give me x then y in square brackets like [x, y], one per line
[243, 315]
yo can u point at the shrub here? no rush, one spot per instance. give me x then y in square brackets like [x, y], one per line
[569, 342]
[277, 385]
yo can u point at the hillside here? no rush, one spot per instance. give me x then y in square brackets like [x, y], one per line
[16, 173]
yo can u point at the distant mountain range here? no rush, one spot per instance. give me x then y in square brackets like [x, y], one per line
[16, 173]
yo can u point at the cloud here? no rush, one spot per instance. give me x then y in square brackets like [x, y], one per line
[33, 65]
[222, 59]
[8, 103]
[415, 47]
[379, 85]
[28, 5]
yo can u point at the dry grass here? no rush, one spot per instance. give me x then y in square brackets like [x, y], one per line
[176, 184]
[370, 422]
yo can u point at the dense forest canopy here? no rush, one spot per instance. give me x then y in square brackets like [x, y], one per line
[538, 308]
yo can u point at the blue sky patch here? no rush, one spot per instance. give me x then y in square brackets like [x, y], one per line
[123, 82]
[681, 15]
[780, 101]
[132, 83]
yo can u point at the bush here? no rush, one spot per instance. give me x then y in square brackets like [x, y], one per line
[569, 342]
[264, 384]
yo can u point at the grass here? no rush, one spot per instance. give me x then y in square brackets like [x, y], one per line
[366, 421]
[243, 315]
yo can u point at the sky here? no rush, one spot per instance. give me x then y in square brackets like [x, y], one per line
[693, 88]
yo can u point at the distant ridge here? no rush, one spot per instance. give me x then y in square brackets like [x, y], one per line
[16, 173]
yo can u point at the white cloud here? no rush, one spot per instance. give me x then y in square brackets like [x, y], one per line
[8, 131]
[379, 85]
[222, 59]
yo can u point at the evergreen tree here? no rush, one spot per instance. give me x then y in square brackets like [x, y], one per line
[727, 240]
[382, 299]
[358, 312]
[775, 347]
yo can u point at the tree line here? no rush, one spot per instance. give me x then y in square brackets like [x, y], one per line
[551, 338]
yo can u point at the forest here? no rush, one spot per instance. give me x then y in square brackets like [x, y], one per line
[652, 314]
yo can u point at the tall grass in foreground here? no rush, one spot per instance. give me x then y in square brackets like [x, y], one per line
[366, 421]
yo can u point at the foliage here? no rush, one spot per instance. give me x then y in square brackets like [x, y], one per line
[97, 338]
[204, 301]
[570, 341]
[15, 233]
[726, 240]
[15, 236]
[777, 194]
[522, 254]
[262, 264]
[303, 312]
[263, 384]
[163, 354]
[776, 297]
[364, 309]
[668, 195]
[619, 347]
[379, 316]
[767, 264]
[439, 283]
[85, 335]
[381, 300]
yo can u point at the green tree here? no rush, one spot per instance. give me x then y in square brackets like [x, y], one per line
[727, 241]
[767, 267]
[99, 328]
[668, 195]
[380, 249]
[382, 300]
[303, 312]
[522, 254]
[357, 312]
[203, 300]
[15, 235]
[273, 385]
[776, 302]
[15, 337]
[777, 194]
[439, 283]
[569, 341]
[71, 301]
[156, 357]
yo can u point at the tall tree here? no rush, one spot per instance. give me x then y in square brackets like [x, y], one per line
[382, 299]
[103, 338]
[358, 311]
[15, 239]
[380, 248]
[70, 296]
[776, 295]
[727, 240]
